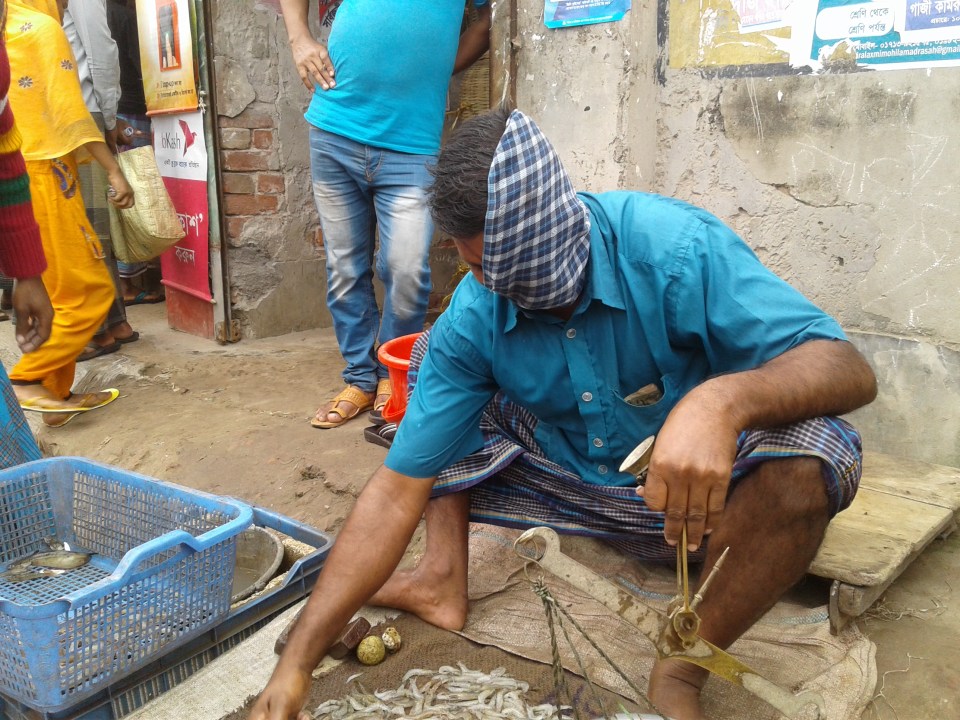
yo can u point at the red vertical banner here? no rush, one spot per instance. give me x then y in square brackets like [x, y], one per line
[181, 152]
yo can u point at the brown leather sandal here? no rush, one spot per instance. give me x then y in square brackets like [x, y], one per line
[353, 395]
[384, 391]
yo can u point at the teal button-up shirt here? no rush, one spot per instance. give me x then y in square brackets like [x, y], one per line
[673, 296]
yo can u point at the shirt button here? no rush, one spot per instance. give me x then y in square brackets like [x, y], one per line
[602, 469]
[571, 333]
[587, 396]
[597, 442]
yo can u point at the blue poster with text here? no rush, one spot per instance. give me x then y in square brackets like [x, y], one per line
[569, 13]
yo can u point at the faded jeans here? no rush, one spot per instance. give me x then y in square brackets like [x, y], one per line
[360, 189]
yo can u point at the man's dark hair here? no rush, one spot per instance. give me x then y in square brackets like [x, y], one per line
[458, 194]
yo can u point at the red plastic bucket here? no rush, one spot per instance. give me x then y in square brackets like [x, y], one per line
[395, 354]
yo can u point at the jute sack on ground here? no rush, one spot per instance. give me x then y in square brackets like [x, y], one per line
[151, 226]
[791, 645]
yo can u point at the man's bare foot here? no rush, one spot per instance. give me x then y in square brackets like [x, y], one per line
[436, 598]
[675, 689]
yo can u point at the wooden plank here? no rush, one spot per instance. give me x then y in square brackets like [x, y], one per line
[873, 540]
[855, 600]
[933, 484]
[901, 507]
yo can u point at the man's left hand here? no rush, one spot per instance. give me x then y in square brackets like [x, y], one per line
[691, 465]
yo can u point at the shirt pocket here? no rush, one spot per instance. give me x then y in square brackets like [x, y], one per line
[642, 411]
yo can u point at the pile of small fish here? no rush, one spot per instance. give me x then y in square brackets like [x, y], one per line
[57, 560]
[452, 693]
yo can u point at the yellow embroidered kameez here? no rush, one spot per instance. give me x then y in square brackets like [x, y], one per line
[46, 98]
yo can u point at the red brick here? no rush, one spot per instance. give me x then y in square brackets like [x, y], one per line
[250, 204]
[270, 183]
[248, 119]
[246, 160]
[263, 139]
[235, 227]
[238, 183]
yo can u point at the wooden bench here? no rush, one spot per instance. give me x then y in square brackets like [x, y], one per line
[902, 506]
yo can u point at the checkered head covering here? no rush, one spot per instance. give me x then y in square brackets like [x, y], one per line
[536, 238]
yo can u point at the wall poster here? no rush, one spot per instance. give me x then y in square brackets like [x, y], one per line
[166, 55]
[843, 35]
[570, 13]
[181, 151]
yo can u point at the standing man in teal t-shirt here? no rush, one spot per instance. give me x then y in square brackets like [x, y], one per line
[376, 117]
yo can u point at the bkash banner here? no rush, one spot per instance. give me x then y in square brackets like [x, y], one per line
[166, 55]
[181, 152]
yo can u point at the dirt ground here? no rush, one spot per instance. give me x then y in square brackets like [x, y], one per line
[233, 420]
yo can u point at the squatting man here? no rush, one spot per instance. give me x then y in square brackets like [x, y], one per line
[587, 323]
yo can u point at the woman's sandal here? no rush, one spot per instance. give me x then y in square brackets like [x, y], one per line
[384, 390]
[353, 395]
[86, 402]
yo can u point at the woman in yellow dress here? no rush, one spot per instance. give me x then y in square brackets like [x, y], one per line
[57, 128]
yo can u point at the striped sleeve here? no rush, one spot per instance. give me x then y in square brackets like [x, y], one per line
[21, 252]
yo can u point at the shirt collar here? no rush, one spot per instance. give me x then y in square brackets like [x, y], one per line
[602, 282]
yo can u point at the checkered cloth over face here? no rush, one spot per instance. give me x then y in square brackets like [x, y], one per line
[536, 238]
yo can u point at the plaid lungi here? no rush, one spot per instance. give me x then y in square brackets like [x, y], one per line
[513, 484]
[16, 441]
[93, 187]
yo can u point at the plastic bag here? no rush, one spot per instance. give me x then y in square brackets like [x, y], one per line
[151, 226]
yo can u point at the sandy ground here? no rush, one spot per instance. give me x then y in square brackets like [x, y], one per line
[234, 420]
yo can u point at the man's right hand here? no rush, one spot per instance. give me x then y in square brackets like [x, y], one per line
[283, 697]
[313, 62]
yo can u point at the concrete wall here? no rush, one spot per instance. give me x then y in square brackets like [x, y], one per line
[845, 184]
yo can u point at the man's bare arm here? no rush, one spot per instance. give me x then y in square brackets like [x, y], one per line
[696, 447]
[366, 552]
[474, 41]
[311, 58]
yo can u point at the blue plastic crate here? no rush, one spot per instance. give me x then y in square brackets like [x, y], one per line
[161, 573]
[136, 690]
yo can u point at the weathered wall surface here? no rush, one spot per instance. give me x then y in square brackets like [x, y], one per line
[845, 184]
[274, 256]
[590, 88]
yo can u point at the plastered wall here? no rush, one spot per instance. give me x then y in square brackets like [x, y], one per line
[846, 184]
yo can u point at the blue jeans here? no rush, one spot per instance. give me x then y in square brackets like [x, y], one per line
[359, 190]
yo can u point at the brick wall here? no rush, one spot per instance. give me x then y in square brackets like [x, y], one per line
[252, 181]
